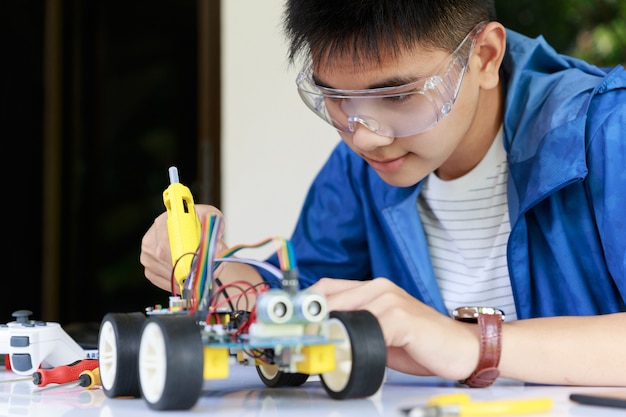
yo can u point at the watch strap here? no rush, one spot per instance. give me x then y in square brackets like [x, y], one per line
[486, 372]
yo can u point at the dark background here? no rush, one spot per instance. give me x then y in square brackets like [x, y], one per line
[98, 98]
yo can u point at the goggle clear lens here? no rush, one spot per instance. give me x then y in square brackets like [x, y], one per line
[392, 111]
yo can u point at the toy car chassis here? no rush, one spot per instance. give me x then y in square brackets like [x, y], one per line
[166, 354]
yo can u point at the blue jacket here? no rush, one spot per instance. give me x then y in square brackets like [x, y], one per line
[565, 136]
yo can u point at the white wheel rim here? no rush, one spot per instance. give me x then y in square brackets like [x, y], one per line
[152, 363]
[269, 371]
[107, 355]
[338, 379]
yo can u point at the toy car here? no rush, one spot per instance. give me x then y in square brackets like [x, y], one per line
[165, 354]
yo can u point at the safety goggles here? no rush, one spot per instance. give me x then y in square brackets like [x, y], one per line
[395, 111]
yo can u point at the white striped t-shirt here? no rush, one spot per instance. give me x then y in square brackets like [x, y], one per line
[466, 221]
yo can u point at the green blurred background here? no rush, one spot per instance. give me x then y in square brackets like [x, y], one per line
[594, 30]
[128, 87]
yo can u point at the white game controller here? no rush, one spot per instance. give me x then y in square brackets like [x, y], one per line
[34, 344]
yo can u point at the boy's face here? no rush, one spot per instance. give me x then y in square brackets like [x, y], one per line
[445, 148]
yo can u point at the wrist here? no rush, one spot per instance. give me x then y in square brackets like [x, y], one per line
[489, 322]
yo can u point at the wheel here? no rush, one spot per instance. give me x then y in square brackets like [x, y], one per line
[171, 362]
[360, 355]
[274, 377]
[118, 350]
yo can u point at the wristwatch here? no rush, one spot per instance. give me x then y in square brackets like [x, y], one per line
[489, 321]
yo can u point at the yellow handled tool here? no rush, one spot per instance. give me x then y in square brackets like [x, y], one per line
[461, 405]
[183, 226]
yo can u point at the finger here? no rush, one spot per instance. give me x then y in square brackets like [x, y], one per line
[205, 210]
[157, 271]
[328, 286]
[360, 294]
[155, 253]
[155, 242]
[221, 246]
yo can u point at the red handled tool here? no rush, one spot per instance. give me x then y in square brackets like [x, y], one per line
[64, 374]
[87, 379]
[60, 374]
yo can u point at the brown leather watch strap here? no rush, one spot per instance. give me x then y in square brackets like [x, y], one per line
[487, 372]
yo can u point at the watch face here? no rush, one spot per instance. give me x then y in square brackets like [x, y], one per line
[470, 313]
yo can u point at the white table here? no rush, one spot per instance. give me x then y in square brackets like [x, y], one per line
[244, 395]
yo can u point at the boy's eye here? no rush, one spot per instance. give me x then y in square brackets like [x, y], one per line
[401, 97]
[398, 97]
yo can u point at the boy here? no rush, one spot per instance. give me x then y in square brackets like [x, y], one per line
[481, 176]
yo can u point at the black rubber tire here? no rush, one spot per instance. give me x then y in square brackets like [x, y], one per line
[118, 349]
[171, 362]
[276, 378]
[361, 356]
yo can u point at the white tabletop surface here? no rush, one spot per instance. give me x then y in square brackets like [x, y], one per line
[243, 394]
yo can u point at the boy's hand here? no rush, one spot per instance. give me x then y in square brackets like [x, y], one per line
[419, 339]
[155, 248]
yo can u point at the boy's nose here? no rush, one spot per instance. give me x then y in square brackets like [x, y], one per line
[366, 139]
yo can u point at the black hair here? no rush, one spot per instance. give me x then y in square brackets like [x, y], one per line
[323, 29]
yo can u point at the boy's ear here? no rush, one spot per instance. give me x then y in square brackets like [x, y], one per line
[489, 49]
